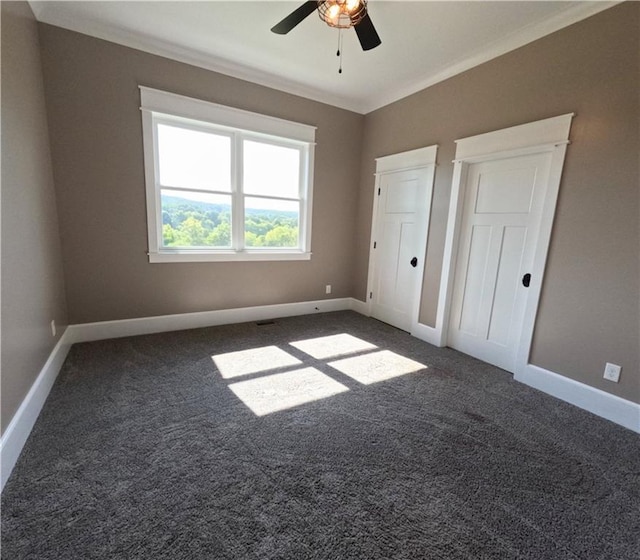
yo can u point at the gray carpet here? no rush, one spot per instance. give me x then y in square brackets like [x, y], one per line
[148, 448]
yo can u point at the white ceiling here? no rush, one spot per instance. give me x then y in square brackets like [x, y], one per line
[422, 42]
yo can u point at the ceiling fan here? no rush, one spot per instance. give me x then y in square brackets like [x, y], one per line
[335, 13]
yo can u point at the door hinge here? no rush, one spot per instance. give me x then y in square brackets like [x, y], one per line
[370, 295]
[374, 244]
[378, 191]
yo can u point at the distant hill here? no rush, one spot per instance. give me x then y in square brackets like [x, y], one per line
[172, 204]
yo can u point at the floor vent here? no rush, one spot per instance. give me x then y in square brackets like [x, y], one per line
[267, 322]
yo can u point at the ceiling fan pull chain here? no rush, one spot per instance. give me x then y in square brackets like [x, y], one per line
[339, 53]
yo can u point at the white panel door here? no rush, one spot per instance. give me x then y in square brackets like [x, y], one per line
[400, 240]
[501, 218]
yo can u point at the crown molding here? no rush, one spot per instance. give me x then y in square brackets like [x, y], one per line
[575, 13]
[167, 49]
[88, 26]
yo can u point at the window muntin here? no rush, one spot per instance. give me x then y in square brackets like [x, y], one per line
[225, 193]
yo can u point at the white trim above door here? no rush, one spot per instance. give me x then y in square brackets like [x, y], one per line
[400, 222]
[548, 136]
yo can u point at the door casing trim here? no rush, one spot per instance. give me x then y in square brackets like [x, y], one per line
[421, 158]
[547, 135]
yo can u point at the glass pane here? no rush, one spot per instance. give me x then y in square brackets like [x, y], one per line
[271, 223]
[271, 170]
[192, 159]
[192, 219]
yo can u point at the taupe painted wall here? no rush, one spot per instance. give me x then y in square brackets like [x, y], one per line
[590, 307]
[93, 106]
[32, 282]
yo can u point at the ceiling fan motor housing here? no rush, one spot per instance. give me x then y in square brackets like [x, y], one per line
[342, 13]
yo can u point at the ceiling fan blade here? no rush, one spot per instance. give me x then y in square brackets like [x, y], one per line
[367, 34]
[294, 18]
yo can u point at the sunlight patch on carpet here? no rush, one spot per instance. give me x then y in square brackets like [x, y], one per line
[378, 366]
[281, 391]
[254, 360]
[332, 346]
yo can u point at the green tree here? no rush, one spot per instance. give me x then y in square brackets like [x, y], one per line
[257, 225]
[281, 236]
[174, 237]
[253, 240]
[220, 236]
[194, 231]
[168, 235]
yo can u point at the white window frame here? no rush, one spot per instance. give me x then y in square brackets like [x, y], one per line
[159, 107]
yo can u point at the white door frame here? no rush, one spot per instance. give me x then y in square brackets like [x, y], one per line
[547, 135]
[405, 161]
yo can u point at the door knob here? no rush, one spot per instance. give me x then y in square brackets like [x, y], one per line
[526, 280]
[414, 262]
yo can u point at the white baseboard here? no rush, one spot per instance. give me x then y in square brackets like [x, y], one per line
[360, 307]
[426, 333]
[16, 434]
[165, 323]
[601, 403]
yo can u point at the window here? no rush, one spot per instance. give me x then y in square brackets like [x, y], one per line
[224, 184]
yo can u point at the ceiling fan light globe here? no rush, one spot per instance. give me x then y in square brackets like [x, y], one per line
[352, 5]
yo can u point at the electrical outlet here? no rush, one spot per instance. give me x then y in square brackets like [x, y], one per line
[327, 289]
[612, 372]
[53, 327]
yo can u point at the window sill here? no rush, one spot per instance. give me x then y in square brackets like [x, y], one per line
[226, 256]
